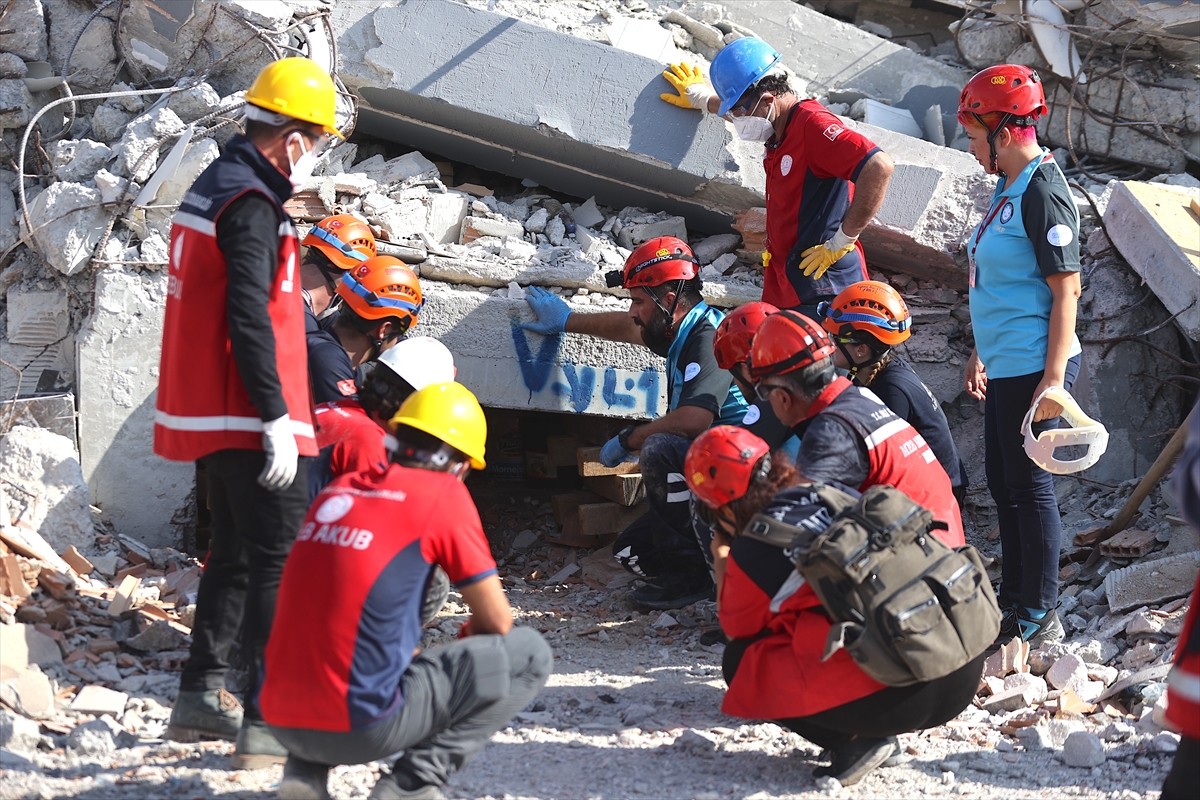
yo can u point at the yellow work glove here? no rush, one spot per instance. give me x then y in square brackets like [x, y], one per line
[691, 87]
[816, 261]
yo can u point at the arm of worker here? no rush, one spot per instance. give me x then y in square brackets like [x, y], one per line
[248, 235]
[686, 421]
[616, 326]
[870, 189]
[552, 316]
[831, 451]
[490, 611]
[975, 376]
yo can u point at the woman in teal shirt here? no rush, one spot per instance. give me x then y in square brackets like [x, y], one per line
[1024, 291]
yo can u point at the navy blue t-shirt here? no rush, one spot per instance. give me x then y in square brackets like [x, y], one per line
[329, 368]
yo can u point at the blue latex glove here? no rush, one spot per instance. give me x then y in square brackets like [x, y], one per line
[613, 453]
[550, 309]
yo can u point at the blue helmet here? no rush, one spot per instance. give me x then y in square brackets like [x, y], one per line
[738, 67]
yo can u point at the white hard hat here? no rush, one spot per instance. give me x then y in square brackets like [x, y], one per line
[420, 361]
[1083, 432]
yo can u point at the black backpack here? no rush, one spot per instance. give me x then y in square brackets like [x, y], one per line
[905, 606]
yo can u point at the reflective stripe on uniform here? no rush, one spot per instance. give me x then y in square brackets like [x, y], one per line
[195, 222]
[224, 423]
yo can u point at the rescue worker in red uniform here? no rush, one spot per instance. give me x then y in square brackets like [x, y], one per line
[777, 627]
[846, 433]
[233, 388]
[1183, 683]
[346, 682]
[825, 181]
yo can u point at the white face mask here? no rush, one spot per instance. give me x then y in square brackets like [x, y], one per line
[754, 129]
[302, 168]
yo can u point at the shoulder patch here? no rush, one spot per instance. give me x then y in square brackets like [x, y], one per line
[334, 508]
[1060, 235]
[833, 131]
[753, 415]
[691, 371]
[347, 387]
[1006, 213]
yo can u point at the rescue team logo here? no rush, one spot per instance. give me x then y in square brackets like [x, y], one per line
[1060, 235]
[662, 252]
[1006, 213]
[334, 508]
[691, 371]
[834, 131]
[347, 387]
[999, 80]
[752, 415]
[785, 164]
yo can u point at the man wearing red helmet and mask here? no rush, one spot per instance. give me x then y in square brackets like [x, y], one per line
[668, 315]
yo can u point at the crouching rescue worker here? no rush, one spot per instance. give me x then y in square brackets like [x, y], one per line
[344, 681]
[233, 388]
[668, 315]
[777, 627]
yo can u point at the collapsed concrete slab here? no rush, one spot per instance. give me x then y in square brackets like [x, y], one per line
[512, 97]
[1151, 582]
[1158, 233]
[41, 471]
[117, 351]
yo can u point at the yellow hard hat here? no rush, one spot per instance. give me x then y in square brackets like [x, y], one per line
[298, 88]
[448, 412]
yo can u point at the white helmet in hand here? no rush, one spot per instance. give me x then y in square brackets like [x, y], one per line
[1083, 432]
[420, 361]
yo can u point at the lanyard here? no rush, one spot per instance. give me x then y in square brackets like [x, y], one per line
[1000, 201]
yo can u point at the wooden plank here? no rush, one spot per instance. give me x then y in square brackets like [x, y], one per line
[627, 490]
[564, 505]
[123, 600]
[603, 519]
[588, 459]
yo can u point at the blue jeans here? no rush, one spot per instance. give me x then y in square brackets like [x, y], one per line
[1030, 526]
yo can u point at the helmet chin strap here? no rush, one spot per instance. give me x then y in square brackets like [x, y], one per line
[992, 134]
[870, 367]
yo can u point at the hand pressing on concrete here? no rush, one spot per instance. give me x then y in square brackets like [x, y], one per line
[691, 87]
[551, 311]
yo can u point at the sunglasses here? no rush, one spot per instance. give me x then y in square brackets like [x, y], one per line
[744, 106]
[763, 390]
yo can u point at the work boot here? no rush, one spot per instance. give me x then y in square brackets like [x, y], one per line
[1009, 629]
[304, 780]
[204, 714]
[1041, 632]
[853, 760]
[389, 788]
[667, 592]
[257, 747]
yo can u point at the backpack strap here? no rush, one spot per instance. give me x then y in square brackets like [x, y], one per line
[775, 532]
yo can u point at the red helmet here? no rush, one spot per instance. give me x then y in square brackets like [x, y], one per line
[872, 308]
[731, 345]
[1003, 89]
[658, 261]
[380, 288]
[345, 240]
[720, 463]
[785, 342]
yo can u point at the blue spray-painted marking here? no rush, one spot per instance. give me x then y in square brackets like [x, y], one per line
[610, 395]
[535, 369]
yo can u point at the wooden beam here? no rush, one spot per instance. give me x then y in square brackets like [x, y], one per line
[590, 467]
[626, 490]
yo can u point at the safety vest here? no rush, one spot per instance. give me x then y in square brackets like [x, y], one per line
[202, 404]
[898, 454]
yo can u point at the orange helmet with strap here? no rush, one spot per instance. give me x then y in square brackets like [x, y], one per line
[868, 312]
[659, 260]
[381, 288]
[785, 342]
[722, 461]
[344, 239]
[731, 344]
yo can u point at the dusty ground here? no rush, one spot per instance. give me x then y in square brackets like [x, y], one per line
[632, 711]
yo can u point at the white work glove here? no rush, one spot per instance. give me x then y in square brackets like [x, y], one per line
[283, 455]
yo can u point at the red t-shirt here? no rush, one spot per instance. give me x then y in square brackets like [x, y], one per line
[348, 614]
[356, 439]
[810, 176]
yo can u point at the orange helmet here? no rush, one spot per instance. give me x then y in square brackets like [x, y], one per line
[731, 344]
[658, 261]
[868, 312]
[1010, 89]
[345, 240]
[785, 342]
[380, 288]
[720, 463]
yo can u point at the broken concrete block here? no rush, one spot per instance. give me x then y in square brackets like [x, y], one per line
[1151, 582]
[537, 221]
[9, 227]
[194, 102]
[67, 221]
[475, 103]
[17, 732]
[1083, 749]
[984, 42]
[515, 249]
[118, 348]
[23, 30]
[40, 365]
[556, 229]
[99, 700]
[15, 103]
[28, 691]
[1069, 671]
[1012, 699]
[46, 466]
[108, 120]
[709, 248]
[11, 65]
[476, 227]
[21, 645]
[77, 159]
[446, 213]
[137, 151]
[355, 183]
[1154, 228]
[157, 637]
[111, 187]
[94, 63]
[36, 317]
[1027, 680]
[397, 170]
[587, 214]
[632, 235]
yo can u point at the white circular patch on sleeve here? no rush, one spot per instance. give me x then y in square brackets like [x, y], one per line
[785, 164]
[1060, 235]
[334, 508]
[752, 415]
[691, 371]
